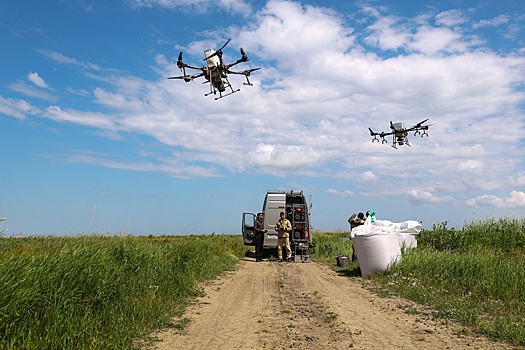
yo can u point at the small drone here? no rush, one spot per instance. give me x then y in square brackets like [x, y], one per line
[400, 133]
[215, 71]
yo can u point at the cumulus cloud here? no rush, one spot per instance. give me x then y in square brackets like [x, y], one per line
[516, 199]
[326, 79]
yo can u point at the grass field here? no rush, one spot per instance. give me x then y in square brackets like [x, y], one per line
[96, 292]
[475, 275]
[108, 292]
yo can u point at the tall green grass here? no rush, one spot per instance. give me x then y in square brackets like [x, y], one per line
[96, 292]
[475, 275]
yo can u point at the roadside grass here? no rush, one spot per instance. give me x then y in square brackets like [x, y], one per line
[105, 292]
[98, 292]
[474, 275]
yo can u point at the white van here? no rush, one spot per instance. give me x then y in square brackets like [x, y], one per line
[293, 203]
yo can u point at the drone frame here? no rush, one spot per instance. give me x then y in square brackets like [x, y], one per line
[400, 135]
[215, 72]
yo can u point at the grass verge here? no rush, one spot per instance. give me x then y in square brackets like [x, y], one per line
[475, 275]
[96, 292]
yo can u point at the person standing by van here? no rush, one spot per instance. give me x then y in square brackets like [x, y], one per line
[283, 227]
[259, 236]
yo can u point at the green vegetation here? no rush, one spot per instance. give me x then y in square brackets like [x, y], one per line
[97, 292]
[105, 292]
[475, 275]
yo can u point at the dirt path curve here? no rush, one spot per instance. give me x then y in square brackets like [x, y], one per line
[272, 305]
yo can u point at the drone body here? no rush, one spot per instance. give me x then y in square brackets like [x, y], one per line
[215, 71]
[400, 133]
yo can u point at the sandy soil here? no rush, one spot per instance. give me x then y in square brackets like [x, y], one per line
[271, 305]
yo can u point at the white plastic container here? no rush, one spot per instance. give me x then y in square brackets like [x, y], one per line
[376, 252]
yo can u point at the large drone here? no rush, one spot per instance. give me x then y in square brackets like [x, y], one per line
[215, 72]
[400, 133]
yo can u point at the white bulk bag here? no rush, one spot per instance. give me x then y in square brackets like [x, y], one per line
[376, 246]
[407, 232]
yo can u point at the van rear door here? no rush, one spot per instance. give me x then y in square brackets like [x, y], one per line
[248, 225]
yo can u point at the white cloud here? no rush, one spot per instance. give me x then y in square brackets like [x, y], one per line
[319, 90]
[201, 6]
[91, 119]
[388, 34]
[518, 180]
[418, 197]
[451, 18]
[285, 156]
[19, 109]
[342, 194]
[368, 176]
[493, 22]
[516, 199]
[63, 59]
[430, 40]
[31, 91]
[37, 80]
[471, 167]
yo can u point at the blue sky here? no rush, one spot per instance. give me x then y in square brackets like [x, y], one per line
[95, 139]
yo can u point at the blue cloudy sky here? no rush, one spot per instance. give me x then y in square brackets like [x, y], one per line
[95, 139]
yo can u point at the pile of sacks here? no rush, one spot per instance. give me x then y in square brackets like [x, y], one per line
[378, 243]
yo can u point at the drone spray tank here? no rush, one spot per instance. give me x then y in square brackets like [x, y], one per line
[212, 61]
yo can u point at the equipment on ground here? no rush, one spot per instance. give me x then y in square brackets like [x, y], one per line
[215, 71]
[400, 133]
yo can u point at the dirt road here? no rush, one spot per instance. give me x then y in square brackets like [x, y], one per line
[271, 305]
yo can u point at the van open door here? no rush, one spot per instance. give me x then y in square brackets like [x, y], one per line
[248, 225]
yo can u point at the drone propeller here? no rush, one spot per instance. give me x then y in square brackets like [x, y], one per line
[418, 125]
[392, 125]
[187, 78]
[180, 64]
[219, 51]
[244, 58]
[245, 72]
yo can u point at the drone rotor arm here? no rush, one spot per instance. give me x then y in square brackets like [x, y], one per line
[246, 72]
[187, 78]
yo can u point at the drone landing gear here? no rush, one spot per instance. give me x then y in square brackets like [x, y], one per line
[228, 94]
[247, 81]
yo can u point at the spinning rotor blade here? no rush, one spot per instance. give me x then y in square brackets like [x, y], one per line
[372, 133]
